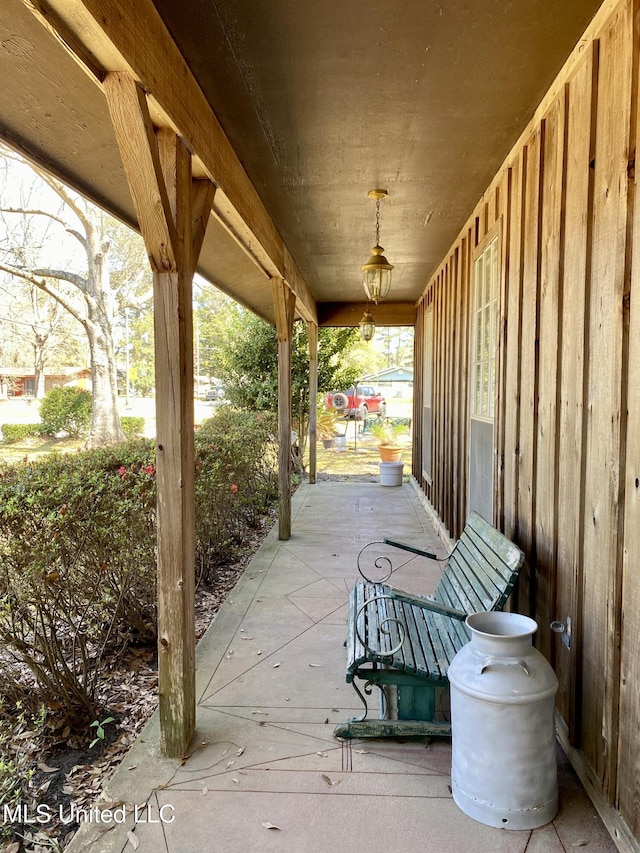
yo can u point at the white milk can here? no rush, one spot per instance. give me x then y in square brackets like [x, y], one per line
[503, 757]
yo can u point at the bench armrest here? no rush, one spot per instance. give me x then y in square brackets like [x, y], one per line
[426, 603]
[412, 549]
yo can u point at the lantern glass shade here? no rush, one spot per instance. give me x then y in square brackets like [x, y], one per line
[376, 275]
[367, 326]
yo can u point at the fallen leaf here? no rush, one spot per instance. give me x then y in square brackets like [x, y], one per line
[331, 782]
[268, 825]
[235, 781]
[13, 848]
[241, 750]
[46, 769]
[133, 839]
[103, 806]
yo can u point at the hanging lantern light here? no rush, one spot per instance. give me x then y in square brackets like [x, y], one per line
[376, 273]
[367, 326]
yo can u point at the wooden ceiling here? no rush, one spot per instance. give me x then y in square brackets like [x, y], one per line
[318, 103]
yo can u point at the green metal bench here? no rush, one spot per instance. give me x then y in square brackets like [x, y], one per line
[404, 641]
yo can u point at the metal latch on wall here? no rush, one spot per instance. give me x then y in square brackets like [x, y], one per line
[563, 628]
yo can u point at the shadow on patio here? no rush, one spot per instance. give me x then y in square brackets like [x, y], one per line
[265, 772]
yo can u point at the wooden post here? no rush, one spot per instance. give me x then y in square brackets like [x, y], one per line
[172, 211]
[313, 401]
[284, 301]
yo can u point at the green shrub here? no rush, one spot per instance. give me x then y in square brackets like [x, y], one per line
[77, 570]
[236, 482]
[18, 432]
[66, 410]
[131, 426]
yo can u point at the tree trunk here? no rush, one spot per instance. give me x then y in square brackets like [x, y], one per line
[105, 419]
[38, 365]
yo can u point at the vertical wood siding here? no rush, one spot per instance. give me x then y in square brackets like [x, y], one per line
[567, 425]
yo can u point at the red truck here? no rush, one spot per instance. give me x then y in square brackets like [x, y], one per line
[358, 401]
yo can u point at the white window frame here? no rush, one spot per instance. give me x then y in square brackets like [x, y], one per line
[427, 391]
[484, 331]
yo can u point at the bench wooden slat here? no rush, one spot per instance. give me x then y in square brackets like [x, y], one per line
[430, 635]
[484, 562]
[498, 544]
[423, 660]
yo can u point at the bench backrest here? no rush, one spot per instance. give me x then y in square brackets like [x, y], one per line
[481, 569]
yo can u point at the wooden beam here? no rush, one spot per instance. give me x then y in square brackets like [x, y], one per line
[203, 197]
[305, 303]
[105, 36]
[284, 302]
[350, 313]
[139, 150]
[173, 211]
[313, 401]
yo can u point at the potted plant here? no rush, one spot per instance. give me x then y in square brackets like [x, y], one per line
[327, 428]
[388, 434]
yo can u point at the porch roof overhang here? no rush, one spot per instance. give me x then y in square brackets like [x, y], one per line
[294, 111]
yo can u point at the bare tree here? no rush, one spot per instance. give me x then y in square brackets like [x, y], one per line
[85, 292]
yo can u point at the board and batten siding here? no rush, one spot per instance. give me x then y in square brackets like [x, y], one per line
[567, 408]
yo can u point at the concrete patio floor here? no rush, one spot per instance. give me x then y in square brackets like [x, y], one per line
[265, 772]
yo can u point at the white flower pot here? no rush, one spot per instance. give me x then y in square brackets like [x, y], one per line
[391, 473]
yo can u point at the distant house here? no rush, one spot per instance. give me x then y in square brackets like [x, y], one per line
[21, 381]
[393, 381]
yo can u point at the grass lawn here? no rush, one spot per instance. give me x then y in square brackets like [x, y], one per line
[359, 460]
[34, 447]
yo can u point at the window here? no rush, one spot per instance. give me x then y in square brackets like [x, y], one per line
[484, 320]
[484, 338]
[427, 385]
